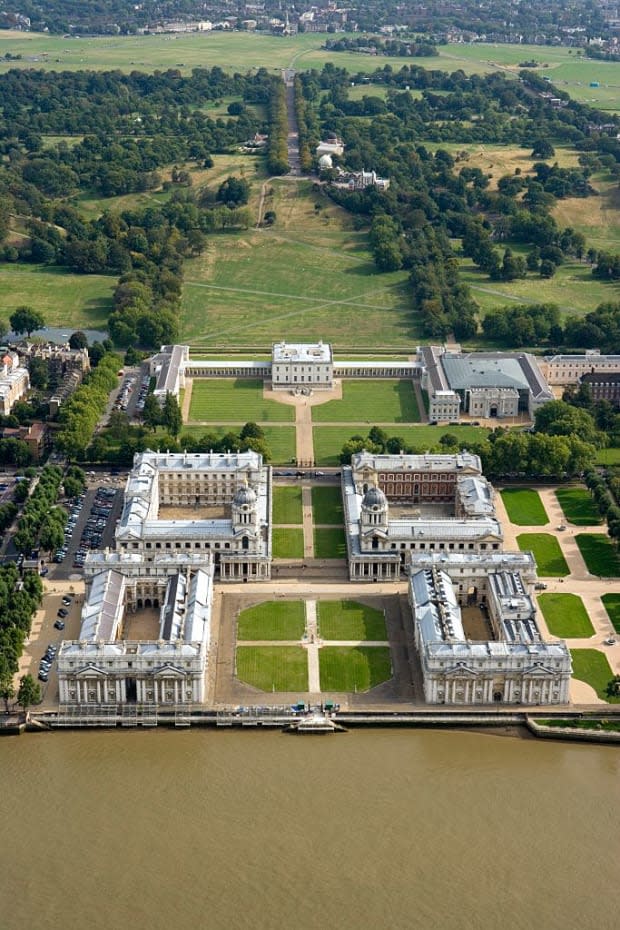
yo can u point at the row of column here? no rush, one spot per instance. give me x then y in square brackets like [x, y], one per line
[378, 569]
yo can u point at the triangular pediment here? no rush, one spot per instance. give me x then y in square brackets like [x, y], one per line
[461, 669]
[539, 671]
[168, 671]
[91, 671]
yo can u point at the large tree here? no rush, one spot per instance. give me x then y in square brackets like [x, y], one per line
[29, 692]
[26, 320]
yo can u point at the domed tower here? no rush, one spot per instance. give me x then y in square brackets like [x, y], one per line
[325, 162]
[244, 508]
[374, 510]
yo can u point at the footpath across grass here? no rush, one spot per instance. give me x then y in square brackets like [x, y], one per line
[272, 620]
[578, 506]
[599, 554]
[591, 666]
[359, 668]
[273, 668]
[287, 505]
[327, 506]
[350, 620]
[565, 616]
[612, 606]
[547, 552]
[288, 542]
[524, 507]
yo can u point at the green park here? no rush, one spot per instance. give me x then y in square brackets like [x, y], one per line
[565, 616]
[524, 507]
[547, 552]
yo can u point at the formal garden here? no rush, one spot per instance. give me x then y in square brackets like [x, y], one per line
[547, 552]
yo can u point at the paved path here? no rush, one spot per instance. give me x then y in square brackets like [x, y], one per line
[187, 399]
[304, 445]
[312, 648]
[306, 506]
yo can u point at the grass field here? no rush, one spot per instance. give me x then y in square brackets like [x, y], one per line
[565, 616]
[612, 606]
[547, 552]
[287, 505]
[222, 400]
[329, 543]
[599, 554]
[329, 440]
[350, 620]
[591, 666]
[379, 401]
[608, 456]
[273, 668]
[272, 620]
[75, 301]
[279, 439]
[524, 507]
[288, 543]
[578, 506]
[360, 668]
[327, 506]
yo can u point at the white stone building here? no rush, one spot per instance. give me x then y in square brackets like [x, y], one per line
[398, 507]
[302, 365]
[568, 369]
[168, 368]
[513, 665]
[215, 504]
[107, 667]
[14, 382]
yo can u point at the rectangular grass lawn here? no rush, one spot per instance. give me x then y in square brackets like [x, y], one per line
[327, 506]
[287, 505]
[273, 668]
[547, 552]
[272, 620]
[599, 554]
[329, 440]
[354, 668]
[565, 616]
[329, 543]
[350, 620]
[380, 401]
[280, 439]
[225, 400]
[612, 606]
[524, 507]
[288, 542]
[591, 666]
[578, 506]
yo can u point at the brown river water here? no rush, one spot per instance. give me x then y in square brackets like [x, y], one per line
[367, 830]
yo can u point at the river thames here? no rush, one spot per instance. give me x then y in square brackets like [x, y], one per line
[370, 829]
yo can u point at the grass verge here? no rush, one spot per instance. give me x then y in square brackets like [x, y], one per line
[547, 552]
[272, 620]
[524, 507]
[273, 668]
[565, 616]
[359, 668]
[350, 620]
[578, 506]
[327, 506]
[612, 606]
[599, 554]
[591, 666]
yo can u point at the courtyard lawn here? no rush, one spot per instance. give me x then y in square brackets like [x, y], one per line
[612, 606]
[329, 543]
[377, 401]
[547, 552]
[225, 400]
[273, 668]
[327, 506]
[288, 543]
[287, 505]
[350, 620]
[272, 620]
[524, 507]
[565, 616]
[599, 554]
[358, 668]
[329, 440]
[591, 666]
[578, 506]
[280, 439]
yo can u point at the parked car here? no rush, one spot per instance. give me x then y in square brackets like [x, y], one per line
[59, 625]
[63, 612]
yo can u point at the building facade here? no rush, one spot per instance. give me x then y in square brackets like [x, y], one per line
[298, 366]
[568, 369]
[14, 382]
[229, 497]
